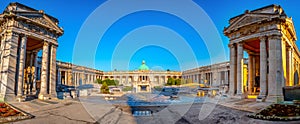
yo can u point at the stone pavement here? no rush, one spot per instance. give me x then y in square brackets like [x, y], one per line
[97, 110]
[72, 112]
[249, 105]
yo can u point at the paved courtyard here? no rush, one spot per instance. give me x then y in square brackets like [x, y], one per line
[91, 110]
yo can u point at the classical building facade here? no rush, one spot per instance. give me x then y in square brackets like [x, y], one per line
[142, 79]
[24, 32]
[75, 75]
[268, 36]
[212, 75]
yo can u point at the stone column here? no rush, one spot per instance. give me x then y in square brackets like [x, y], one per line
[120, 82]
[284, 62]
[219, 80]
[199, 78]
[93, 78]
[59, 77]
[70, 78]
[9, 64]
[35, 70]
[75, 78]
[166, 79]
[232, 83]
[250, 73]
[210, 78]
[22, 61]
[276, 75]
[289, 75]
[52, 69]
[45, 70]
[65, 77]
[240, 64]
[226, 77]
[263, 67]
[78, 79]
[87, 78]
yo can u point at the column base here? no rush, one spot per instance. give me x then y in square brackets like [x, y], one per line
[274, 99]
[238, 96]
[261, 98]
[43, 96]
[230, 93]
[7, 97]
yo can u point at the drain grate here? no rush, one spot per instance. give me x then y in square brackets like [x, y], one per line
[142, 113]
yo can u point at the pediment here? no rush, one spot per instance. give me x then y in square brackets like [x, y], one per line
[43, 20]
[36, 16]
[247, 19]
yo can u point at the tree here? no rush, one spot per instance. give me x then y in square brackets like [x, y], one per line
[98, 81]
[178, 82]
[170, 81]
[104, 88]
[110, 82]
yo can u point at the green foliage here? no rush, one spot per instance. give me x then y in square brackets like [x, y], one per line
[109, 82]
[178, 82]
[172, 81]
[127, 88]
[104, 88]
[98, 81]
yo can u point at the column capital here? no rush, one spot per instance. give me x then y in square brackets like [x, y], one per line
[231, 45]
[262, 38]
[46, 43]
[240, 44]
[23, 35]
[275, 37]
[289, 48]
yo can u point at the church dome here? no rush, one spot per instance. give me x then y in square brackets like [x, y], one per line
[143, 67]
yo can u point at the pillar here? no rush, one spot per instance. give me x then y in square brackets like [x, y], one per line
[35, 70]
[75, 78]
[240, 64]
[59, 76]
[289, 58]
[263, 67]
[87, 78]
[284, 62]
[52, 69]
[226, 77]
[120, 82]
[22, 60]
[250, 73]
[9, 64]
[45, 69]
[232, 83]
[66, 78]
[219, 80]
[276, 74]
[32, 59]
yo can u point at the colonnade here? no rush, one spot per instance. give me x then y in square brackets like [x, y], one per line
[76, 78]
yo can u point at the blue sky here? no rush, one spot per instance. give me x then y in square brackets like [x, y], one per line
[147, 26]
